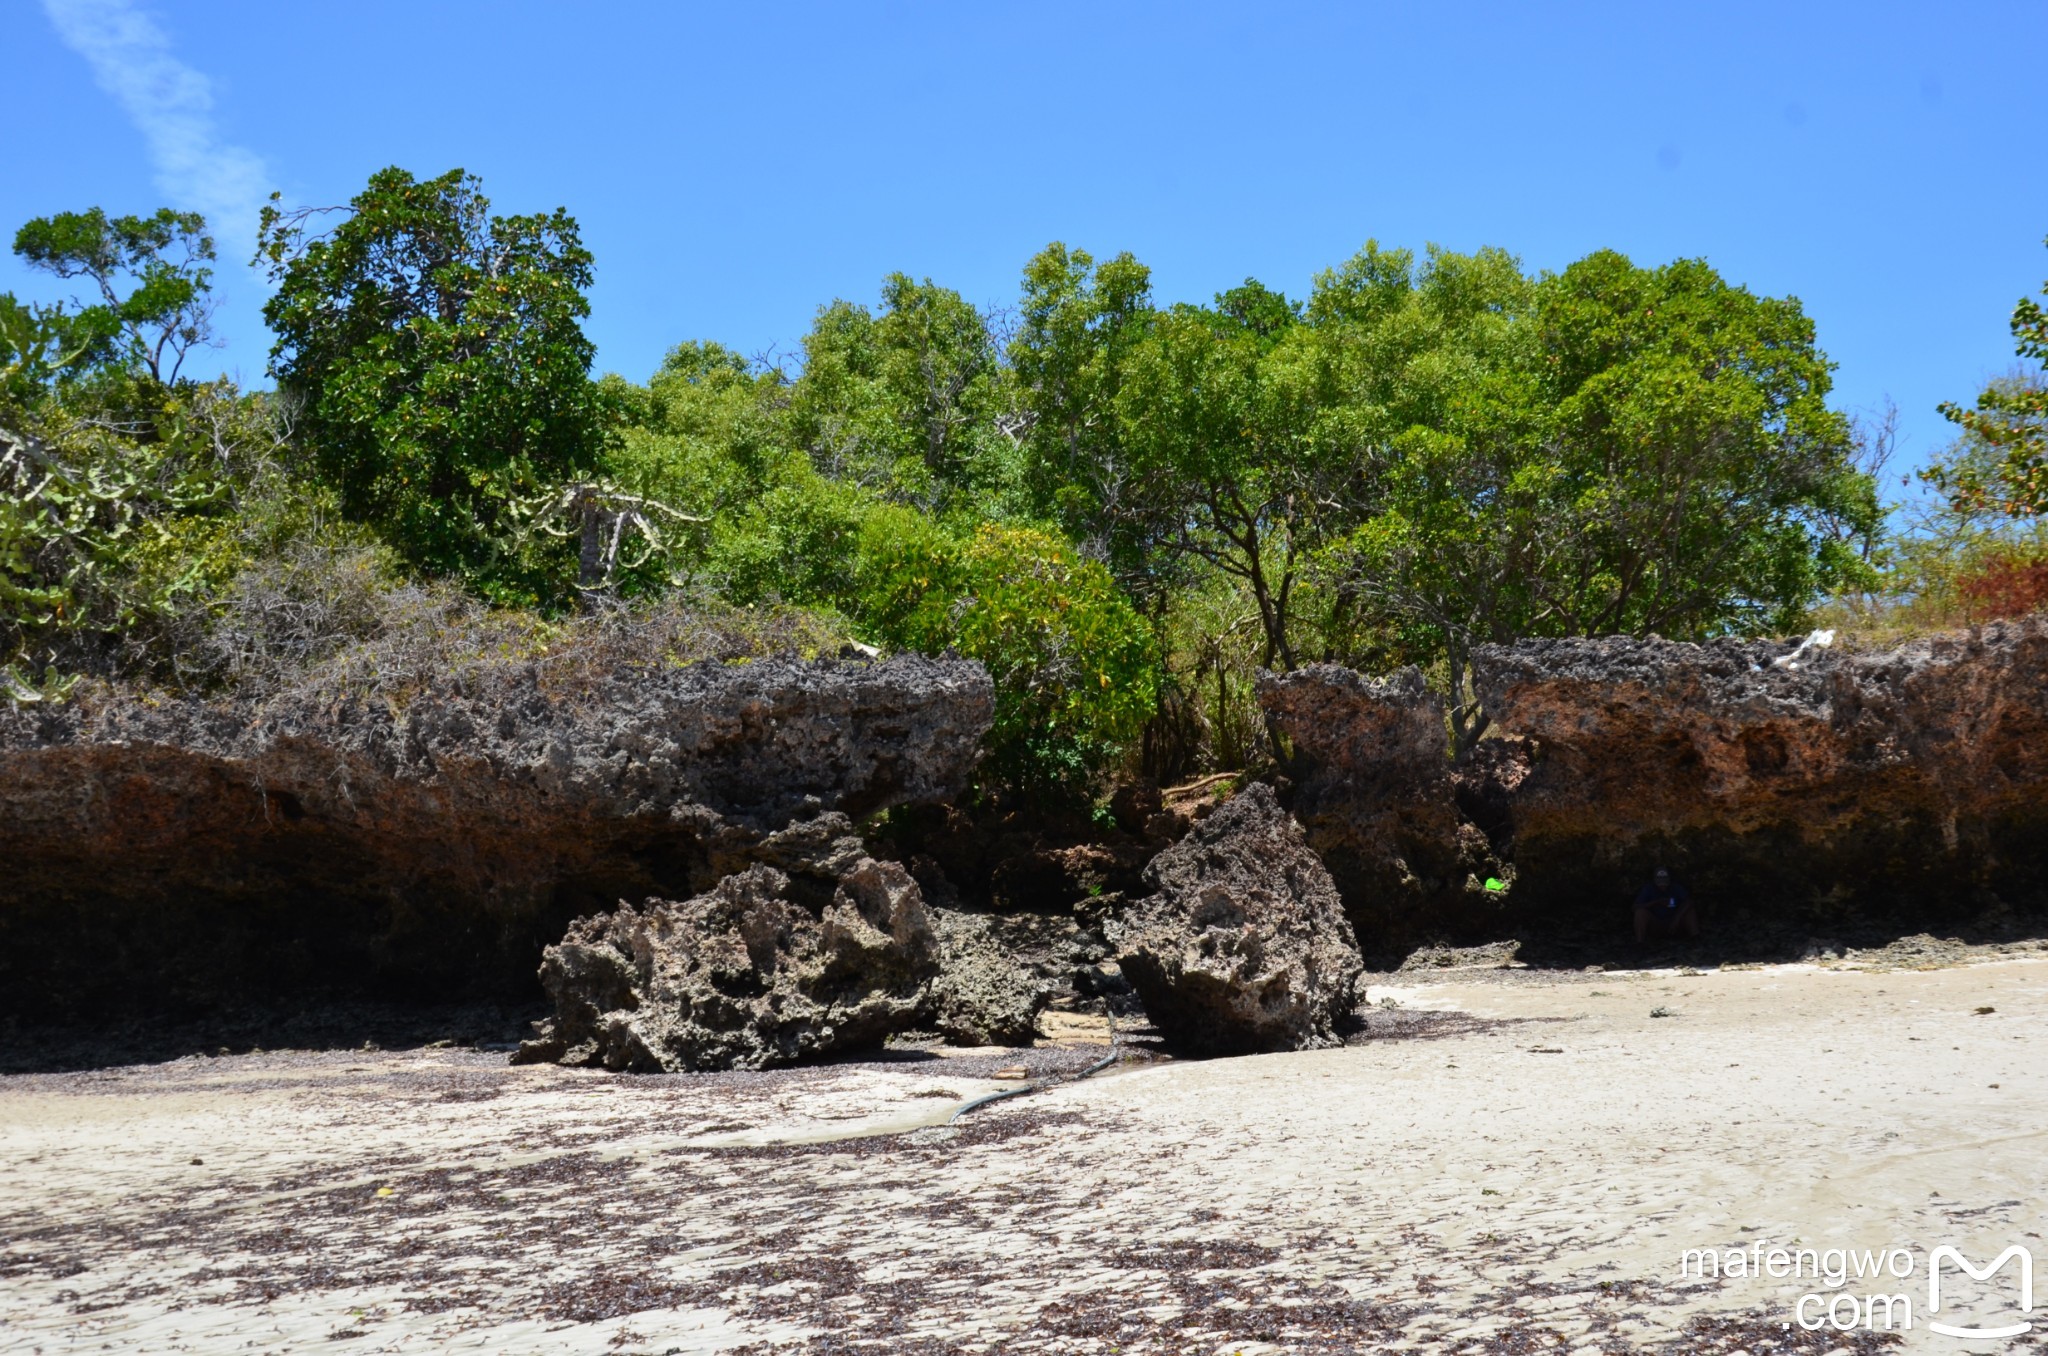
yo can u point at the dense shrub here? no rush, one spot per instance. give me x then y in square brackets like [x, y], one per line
[1075, 668]
[345, 620]
[112, 529]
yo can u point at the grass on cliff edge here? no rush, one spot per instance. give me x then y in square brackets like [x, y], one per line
[325, 622]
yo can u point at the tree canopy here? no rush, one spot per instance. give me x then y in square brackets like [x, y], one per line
[437, 356]
[162, 260]
[2010, 421]
[1125, 508]
[1611, 449]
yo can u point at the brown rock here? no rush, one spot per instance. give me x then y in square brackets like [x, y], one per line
[189, 851]
[1817, 788]
[1375, 794]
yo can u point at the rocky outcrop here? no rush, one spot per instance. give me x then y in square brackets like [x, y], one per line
[167, 851]
[1244, 946]
[1375, 793]
[743, 976]
[1810, 787]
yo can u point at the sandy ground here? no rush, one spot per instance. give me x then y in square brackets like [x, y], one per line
[1523, 1178]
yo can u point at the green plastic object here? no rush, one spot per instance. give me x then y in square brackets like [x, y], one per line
[1493, 884]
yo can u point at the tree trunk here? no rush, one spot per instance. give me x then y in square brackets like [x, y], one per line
[1468, 719]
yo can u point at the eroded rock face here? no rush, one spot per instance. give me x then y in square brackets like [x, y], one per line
[741, 977]
[179, 850]
[987, 991]
[1377, 798]
[1836, 788]
[1244, 946]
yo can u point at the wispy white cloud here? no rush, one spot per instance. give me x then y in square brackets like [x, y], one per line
[171, 104]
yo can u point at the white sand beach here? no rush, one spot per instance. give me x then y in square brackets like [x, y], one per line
[1522, 1179]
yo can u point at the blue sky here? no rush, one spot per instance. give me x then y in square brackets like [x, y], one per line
[735, 166]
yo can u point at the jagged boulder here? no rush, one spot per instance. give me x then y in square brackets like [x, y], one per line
[741, 977]
[1244, 946]
[430, 840]
[1379, 801]
[988, 992]
[1810, 788]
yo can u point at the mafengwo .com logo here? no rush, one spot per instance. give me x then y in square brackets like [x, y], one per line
[1873, 1291]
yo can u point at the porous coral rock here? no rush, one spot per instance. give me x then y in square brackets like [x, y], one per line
[428, 844]
[1831, 787]
[740, 977]
[988, 990]
[1375, 792]
[1244, 945]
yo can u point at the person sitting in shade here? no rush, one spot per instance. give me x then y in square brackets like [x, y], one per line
[1664, 907]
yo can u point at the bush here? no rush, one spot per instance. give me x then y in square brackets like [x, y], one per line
[104, 540]
[326, 621]
[1075, 667]
[2007, 584]
[1946, 569]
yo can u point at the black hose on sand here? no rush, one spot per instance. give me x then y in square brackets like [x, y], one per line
[1115, 1053]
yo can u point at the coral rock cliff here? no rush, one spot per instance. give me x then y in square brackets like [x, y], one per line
[1814, 787]
[184, 851]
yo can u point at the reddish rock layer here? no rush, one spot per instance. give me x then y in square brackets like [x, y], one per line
[1817, 790]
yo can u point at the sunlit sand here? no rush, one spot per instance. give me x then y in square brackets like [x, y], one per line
[1526, 1182]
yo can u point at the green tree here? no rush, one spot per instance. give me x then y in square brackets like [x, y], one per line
[904, 401]
[1217, 415]
[1429, 367]
[710, 435]
[1075, 668]
[151, 281]
[714, 431]
[1617, 450]
[437, 354]
[1077, 325]
[2010, 420]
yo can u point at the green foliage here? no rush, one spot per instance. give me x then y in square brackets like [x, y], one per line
[2010, 421]
[905, 402]
[1608, 450]
[39, 346]
[708, 435]
[797, 543]
[1216, 416]
[106, 538]
[1209, 717]
[1076, 327]
[438, 357]
[166, 310]
[1124, 510]
[1074, 666]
